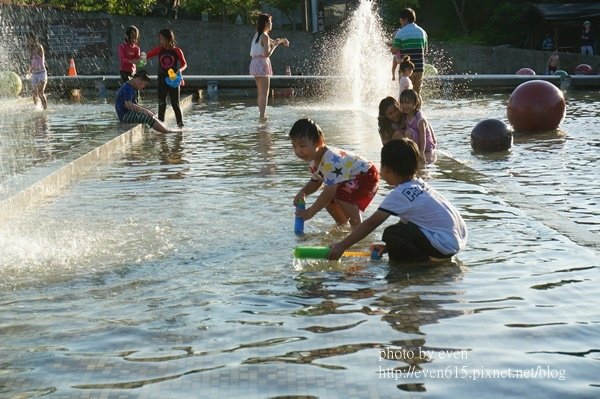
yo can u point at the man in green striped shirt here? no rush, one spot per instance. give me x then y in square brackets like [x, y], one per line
[411, 40]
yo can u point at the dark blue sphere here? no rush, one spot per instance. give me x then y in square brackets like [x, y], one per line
[491, 135]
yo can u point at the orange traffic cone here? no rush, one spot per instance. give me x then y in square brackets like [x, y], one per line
[72, 71]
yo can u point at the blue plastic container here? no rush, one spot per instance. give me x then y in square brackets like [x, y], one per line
[299, 222]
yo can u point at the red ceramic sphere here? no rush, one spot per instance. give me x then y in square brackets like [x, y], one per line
[536, 105]
[583, 69]
[525, 71]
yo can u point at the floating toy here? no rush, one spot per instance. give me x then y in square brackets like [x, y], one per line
[583, 69]
[536, 105]
[174, 79]
[525, 71]
[299, 222]
[10, 84]
[429, 69]
[142, 61]
[303, 252]
[491, 135]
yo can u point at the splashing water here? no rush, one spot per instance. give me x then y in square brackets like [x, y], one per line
[363, 59]
[47, 249]
[364, 62]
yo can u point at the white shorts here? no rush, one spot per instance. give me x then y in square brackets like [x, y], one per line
[39, 77]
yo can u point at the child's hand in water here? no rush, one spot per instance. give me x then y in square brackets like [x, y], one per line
[380, 248]
[300, 197]
[335, 251]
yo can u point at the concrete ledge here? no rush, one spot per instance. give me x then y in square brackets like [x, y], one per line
[196, 82]
[56, 182]
[192, 82]
[478, 81]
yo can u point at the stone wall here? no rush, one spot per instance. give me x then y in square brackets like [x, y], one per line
[213, 48]
[92, 40]
[217, 49]
[505, 60]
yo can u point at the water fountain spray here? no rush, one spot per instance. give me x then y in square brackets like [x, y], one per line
[360, 54]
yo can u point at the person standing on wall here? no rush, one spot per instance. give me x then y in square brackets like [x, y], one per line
[260, 67]
[411, 40]
[129, 53]
[169, 57]
[587, 38]
[553, 62]
[548, 43]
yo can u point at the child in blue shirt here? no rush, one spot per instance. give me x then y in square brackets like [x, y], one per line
[129, 111]
[429, 227]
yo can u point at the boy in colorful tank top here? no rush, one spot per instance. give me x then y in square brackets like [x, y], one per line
[350, 181]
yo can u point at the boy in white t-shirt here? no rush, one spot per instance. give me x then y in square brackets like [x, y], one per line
[429, 227]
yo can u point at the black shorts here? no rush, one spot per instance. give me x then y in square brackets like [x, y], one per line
[406, 242]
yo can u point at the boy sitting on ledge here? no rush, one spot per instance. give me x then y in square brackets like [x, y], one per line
[129, 111]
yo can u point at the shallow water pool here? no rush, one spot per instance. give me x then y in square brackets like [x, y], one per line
[169, 272]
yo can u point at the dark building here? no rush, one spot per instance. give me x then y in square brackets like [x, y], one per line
[563, 22]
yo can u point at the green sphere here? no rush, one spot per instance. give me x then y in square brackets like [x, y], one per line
[429, 69]
[10, 84]
[560, 72]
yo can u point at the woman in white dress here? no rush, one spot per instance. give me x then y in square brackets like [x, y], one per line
[260, 67]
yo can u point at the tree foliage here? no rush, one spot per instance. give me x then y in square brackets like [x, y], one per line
[490, 22]
[122, 7]
[287, 7]
[390, 9]
[487, 22]
[219, 7]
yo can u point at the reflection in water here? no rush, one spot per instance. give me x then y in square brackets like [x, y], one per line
[412, 296]
[158, 156]
[264, 143]
[408, 310]
[44, 140]
[542, 141]
[159, 286]
[171, 148]
[40, 123]
[141, 383]
[36, 143]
